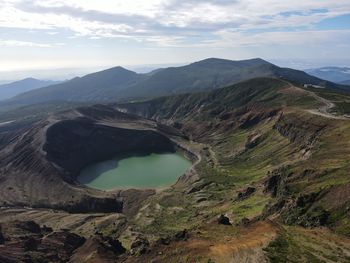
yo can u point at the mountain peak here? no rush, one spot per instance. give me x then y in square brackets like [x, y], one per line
[220, 61]
[111, 71]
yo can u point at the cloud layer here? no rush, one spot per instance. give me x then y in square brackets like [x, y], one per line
[159, 21]
[172, 23]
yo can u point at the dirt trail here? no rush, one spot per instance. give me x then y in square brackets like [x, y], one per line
[324, 110]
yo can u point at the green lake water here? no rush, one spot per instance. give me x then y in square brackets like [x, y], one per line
[149, 171]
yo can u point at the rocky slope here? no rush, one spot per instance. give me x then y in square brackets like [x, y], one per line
[26, 241]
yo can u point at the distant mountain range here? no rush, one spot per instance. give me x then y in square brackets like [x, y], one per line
[100, 86]
[118, 83]
[214, 73]
[12, 89]
[345, 82]
[334, 74]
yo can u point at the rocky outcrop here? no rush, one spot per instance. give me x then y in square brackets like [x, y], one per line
[27, 242]
[306, 210]
[304, 132]
[253, 140]
[251, 116]
[181, 235]
[276, 182]
[246, 193]
[98, 248]
[139, 246]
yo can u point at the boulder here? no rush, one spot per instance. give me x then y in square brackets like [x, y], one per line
[164, 241]
[139, 246]
[115, 245]
[224, 220]
[182, 235]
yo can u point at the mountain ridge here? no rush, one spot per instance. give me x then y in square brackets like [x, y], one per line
[118, 83]
[14, 88]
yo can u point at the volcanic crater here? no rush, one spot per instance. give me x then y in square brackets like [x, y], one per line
[46, 158]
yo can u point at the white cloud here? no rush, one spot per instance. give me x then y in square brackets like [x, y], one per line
[162, 18]
[16, 43]
[134, 7]
[301, 38]
[162, 24]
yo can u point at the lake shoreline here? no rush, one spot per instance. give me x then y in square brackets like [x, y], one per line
[138, 171]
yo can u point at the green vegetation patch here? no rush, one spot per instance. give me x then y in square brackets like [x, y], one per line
[295, 245]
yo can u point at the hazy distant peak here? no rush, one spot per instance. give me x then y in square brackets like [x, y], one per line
[118, 69]
[337, 69]
[29, 79]
[26, 80]
[14, 88]
[331, 73]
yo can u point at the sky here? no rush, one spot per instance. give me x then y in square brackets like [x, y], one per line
[67, 37]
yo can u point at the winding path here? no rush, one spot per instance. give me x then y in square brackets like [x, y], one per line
[324, 110]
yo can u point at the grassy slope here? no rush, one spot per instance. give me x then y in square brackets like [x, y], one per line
[296, 245]
[222, 121]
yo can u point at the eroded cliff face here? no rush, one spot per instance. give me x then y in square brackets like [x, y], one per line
[300, 131]
[39, 168]
[73, 144]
